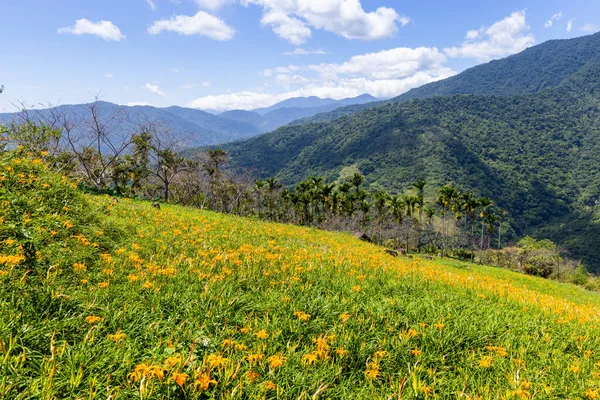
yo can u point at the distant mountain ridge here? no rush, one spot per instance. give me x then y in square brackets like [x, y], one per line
[199, 128]
[288, 111]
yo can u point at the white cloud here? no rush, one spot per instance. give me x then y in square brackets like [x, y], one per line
[206, 84]
[109, 76]
[138, 103]
[302, 52]
[554, 18]
[154, 89]
[590, 28]
[152, 4]
[384, 74]
[188, 86]
[202, 24]
[570, 24]
[398, 63]
[212, 5]
[506, 37]
[293, 19]
[289, 28]
[103, 29]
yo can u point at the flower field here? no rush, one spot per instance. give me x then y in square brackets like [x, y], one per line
[102, 299]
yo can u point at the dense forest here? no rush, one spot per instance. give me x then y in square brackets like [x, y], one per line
[536, 154]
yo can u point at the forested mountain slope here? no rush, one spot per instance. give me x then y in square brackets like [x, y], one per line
[535, 69]
[536, 154]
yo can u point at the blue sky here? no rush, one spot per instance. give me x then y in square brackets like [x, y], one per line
[227, 54]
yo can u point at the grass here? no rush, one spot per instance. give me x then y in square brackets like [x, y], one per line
[120, 300]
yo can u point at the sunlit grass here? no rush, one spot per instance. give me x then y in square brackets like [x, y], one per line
[127, 301]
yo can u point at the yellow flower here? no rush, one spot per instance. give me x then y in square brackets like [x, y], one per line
[302, 316]
[356, 289]
[103, 285]
[372, 373]
[269, 385]
[485, 362]
[426, 390]
[254, 357]
[440, 325]
[344, 317]
[341, 352]
[276, 361]
[522, 393]
[246, 329]
[204, 381]
[309, 358]
[262, 334]
[172, 361]
[180, 379]
[592, 394]
[379, 354]
[286, 299]
[416, 352]
[252, 375]
[92, 319]
[117, 337]
[575, 369]
[215, 360]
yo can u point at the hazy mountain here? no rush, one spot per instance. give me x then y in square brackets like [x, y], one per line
[285, 112]
[193, 127]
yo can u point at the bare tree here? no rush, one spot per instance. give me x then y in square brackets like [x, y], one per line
[166, 162]
[97, 139]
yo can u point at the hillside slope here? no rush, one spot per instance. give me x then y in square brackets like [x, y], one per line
[179, 303]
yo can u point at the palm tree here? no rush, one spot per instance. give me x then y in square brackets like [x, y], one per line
[501, 214]
[484, 203]
[357, 180]
[380, 200]
[446, 194]
[490, 221]
[396, 206]
[420, 186]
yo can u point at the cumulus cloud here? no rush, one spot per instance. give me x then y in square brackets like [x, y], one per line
[151, 4]
[154, 89]
[589, 28]
[138, 103]
[203, 24]
[509, 36]
[383, 74]
[292, 20]
[303, 52]
[398, 63]
[103, 29]
[570, 24]
[554, 18]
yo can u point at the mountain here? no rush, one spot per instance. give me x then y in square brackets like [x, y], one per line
[193, 127]
[285, 112]
[296, 102]
[535, 69]
[531, 143]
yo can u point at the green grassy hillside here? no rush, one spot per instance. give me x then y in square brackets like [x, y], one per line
[103, 299]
